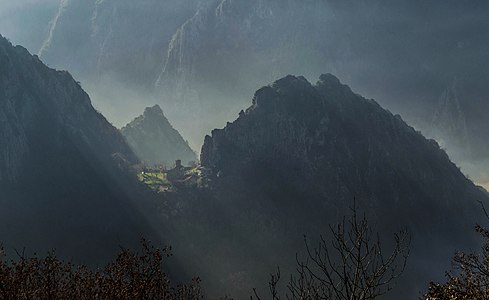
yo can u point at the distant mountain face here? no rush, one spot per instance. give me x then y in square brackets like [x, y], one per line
[207, 56]
[453, 123]
[227, 49]
[449, 118]
[458, 125]
[155, 141]
[61, 165]
[122, 39]
[298, 157]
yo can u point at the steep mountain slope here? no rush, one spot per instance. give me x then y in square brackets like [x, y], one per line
[62, 164]
[294, 161]
[155, 141]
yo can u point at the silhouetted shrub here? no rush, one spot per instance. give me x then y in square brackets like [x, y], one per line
[470, 277]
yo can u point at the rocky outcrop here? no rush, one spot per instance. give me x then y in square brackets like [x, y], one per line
[155, 141]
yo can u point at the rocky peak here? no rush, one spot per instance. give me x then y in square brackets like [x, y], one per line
[320, 128]
[289, 92]
[329, 80]
[155, 141]
[301, 153]
[331, 83]
[153, 111]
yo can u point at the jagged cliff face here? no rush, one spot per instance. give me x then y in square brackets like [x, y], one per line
[155, 141]
[123, 39]
[246, 34]
[233, 25]
[295, 160]
[62, 178]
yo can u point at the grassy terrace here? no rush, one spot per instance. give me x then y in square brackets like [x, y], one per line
[155, 180]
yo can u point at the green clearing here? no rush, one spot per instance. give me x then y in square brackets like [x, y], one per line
[155, 180]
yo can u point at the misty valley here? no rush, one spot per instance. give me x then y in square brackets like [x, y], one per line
[244, 149]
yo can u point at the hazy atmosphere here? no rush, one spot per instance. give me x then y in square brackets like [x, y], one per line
[231, 129]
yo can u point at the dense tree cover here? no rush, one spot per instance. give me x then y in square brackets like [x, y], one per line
[132, 275]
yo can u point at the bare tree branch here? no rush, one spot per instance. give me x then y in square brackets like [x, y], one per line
[351, 266]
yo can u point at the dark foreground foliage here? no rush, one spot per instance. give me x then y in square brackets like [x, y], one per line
[470, 277]
[131, 275]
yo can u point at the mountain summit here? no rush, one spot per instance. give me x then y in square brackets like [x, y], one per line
[294, 162]
[329, 137]
[154, 139]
